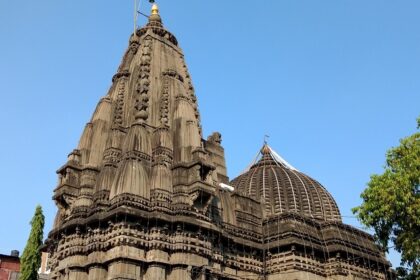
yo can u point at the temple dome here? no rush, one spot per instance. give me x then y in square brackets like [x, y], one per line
[283, 189]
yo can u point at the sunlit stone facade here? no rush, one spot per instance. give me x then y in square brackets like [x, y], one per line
[145, 196]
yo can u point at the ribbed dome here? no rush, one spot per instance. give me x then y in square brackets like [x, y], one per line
[284, 189]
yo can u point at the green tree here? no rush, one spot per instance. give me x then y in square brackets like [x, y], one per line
[31, 257]
[391, 204]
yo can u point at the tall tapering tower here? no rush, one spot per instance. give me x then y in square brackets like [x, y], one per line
[140, 163]
[144, 196]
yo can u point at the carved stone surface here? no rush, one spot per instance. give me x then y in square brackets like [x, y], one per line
[283, 189]
[140, 197]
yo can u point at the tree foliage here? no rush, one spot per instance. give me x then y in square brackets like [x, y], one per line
[31, 257]
[391, 204]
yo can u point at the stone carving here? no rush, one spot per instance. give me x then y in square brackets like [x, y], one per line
[119, 103]
[143, 82]
[164, 102]
[216, 138]
[159, 31]
[139, 156]
[173, 74]
[112, 157]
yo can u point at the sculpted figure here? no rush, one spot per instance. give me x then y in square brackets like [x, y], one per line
[216, 137]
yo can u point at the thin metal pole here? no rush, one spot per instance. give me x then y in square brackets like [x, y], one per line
[135, 17]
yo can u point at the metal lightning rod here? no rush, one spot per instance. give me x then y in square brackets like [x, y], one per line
[137, 12]
[135, 16]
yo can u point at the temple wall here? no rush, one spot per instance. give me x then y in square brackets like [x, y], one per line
[179, 272]
[296, 275]
[124, 270]
[97, 272]
[129, 263]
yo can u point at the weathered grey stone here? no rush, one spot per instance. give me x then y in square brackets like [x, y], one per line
[140, 197]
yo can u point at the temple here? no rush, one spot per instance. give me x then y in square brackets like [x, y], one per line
[145, 196]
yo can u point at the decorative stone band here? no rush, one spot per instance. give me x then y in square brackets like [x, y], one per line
[163, 156]
[172, 237]
[159, 31]
[160, 195]
[139, 156]
[112, 156]
[175, 240]
[184, 98]
[121, 74]
[101, 196]
[173, 74]
[164, 102]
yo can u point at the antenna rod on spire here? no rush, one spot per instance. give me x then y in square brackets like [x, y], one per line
[135, 16]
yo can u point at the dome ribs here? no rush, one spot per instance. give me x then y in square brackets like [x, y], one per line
[284, 182]
[279, 196]
[284, 189]
[265, 192]
[328, 203]
[306, 203]
[317, 205]
[289, 189]
[252, 192]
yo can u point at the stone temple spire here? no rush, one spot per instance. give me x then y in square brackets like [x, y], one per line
[146, 124]
[143, 145]
[144, 196]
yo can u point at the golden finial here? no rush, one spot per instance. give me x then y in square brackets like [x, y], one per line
[155, 9]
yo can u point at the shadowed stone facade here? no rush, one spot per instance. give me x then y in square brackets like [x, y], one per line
[141, 196]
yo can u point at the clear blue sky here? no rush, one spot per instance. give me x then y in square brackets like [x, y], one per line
[334, 83]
